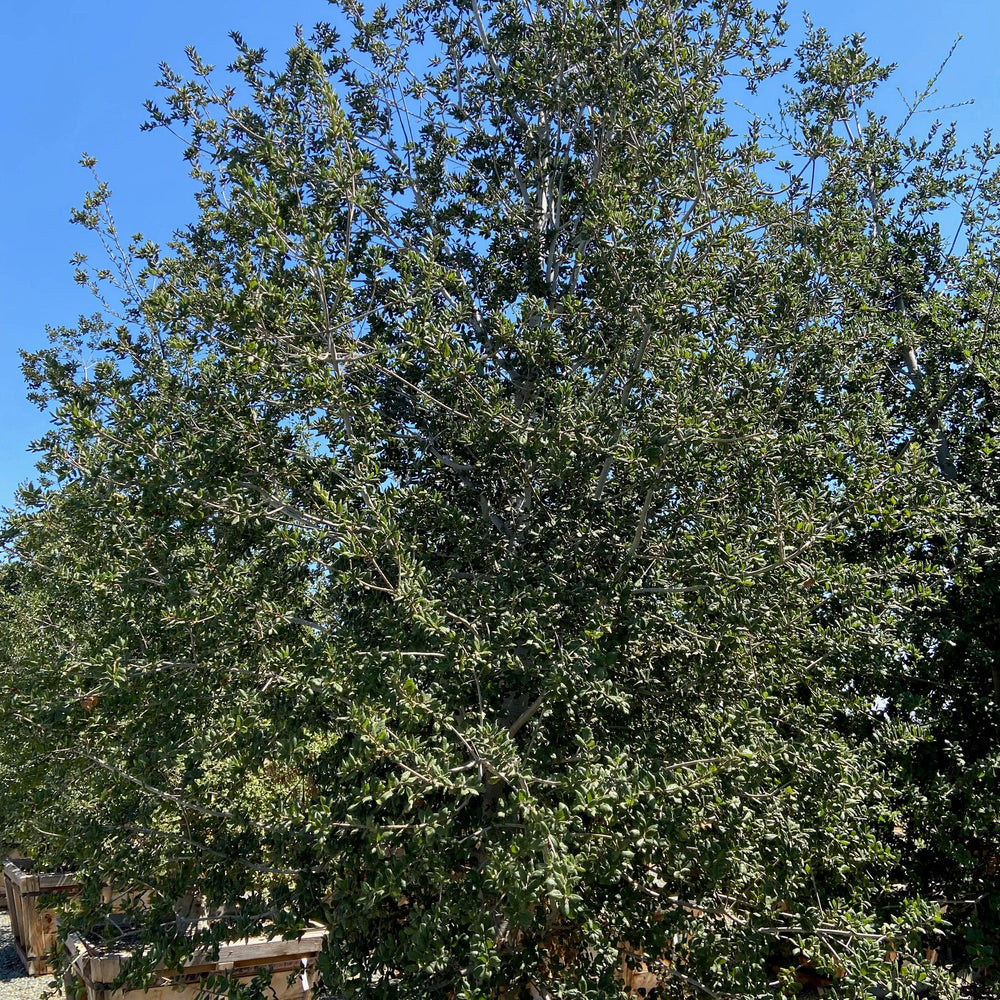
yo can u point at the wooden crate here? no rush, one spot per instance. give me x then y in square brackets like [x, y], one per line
[92, 969]
[32, 922]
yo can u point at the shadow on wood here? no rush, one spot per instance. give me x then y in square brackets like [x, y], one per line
[32, 921]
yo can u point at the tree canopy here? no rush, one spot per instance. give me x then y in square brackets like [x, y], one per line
[534, 513]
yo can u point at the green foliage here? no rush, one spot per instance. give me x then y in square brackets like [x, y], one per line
[503, 524]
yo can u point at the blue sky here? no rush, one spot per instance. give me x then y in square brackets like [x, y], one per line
[74, 76]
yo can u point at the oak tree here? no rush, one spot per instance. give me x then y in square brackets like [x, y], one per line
[495, 524]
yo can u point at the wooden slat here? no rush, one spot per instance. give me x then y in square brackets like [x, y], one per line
[32, 883]
[20, 877]
[257, 949]
[16, 905]
[52, 882]
[12, 856]
[278, 990]
[106, 965]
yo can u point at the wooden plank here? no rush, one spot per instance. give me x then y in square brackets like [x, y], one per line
[279, 989]
[104, 968]
[10, 855]
[11, 871]
[106, 964]
[31, 883]
[13, 903]
[21, 876]
[43, 922]
[33, 966]
[16, 905]
[256, 949]
[53, 882]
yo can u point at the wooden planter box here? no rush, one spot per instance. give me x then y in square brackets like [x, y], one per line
[34, 924]
[93, 968]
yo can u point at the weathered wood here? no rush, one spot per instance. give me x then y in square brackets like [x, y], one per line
[14, 855]
[92, 969]
[34, 924]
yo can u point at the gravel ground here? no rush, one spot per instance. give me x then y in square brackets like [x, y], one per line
[14, 984]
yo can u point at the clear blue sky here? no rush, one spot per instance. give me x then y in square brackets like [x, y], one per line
[75, 76]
